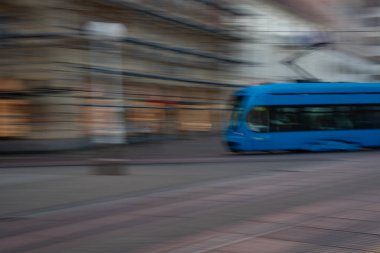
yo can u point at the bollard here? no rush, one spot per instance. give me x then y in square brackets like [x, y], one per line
[110, 167]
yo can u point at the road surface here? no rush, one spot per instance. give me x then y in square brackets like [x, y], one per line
[277, 203]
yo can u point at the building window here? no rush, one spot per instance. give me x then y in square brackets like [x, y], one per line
[14, 118]
[14, 109]
[371, 3]
[372, 22]
[373, 41]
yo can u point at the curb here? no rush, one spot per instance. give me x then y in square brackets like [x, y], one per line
[91, 162]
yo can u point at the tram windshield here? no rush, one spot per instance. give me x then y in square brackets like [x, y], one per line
[237, 109]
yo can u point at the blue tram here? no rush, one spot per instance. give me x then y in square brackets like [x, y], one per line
[305, 116]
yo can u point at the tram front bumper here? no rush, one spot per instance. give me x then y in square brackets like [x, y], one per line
[234, 143]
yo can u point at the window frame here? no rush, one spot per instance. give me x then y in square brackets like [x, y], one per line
[349, 117]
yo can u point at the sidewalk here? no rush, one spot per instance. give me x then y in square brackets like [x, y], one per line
[185, 149]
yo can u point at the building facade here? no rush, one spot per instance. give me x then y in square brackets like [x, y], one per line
[281, 30]
[149, 67]
[366, 17]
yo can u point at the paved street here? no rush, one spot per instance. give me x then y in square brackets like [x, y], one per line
[185, 149]
[273, 203]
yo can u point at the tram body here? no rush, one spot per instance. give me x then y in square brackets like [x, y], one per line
[305, 116]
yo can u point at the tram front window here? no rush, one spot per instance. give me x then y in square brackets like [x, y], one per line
[236, 110]
[258, 119]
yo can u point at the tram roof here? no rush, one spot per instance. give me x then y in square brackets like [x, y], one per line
[312, 88]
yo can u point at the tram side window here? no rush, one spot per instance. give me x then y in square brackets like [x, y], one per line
[367, 117]
[258, 119]
[343, 117]
[285, 119]
[314, 118]
[318, 118]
